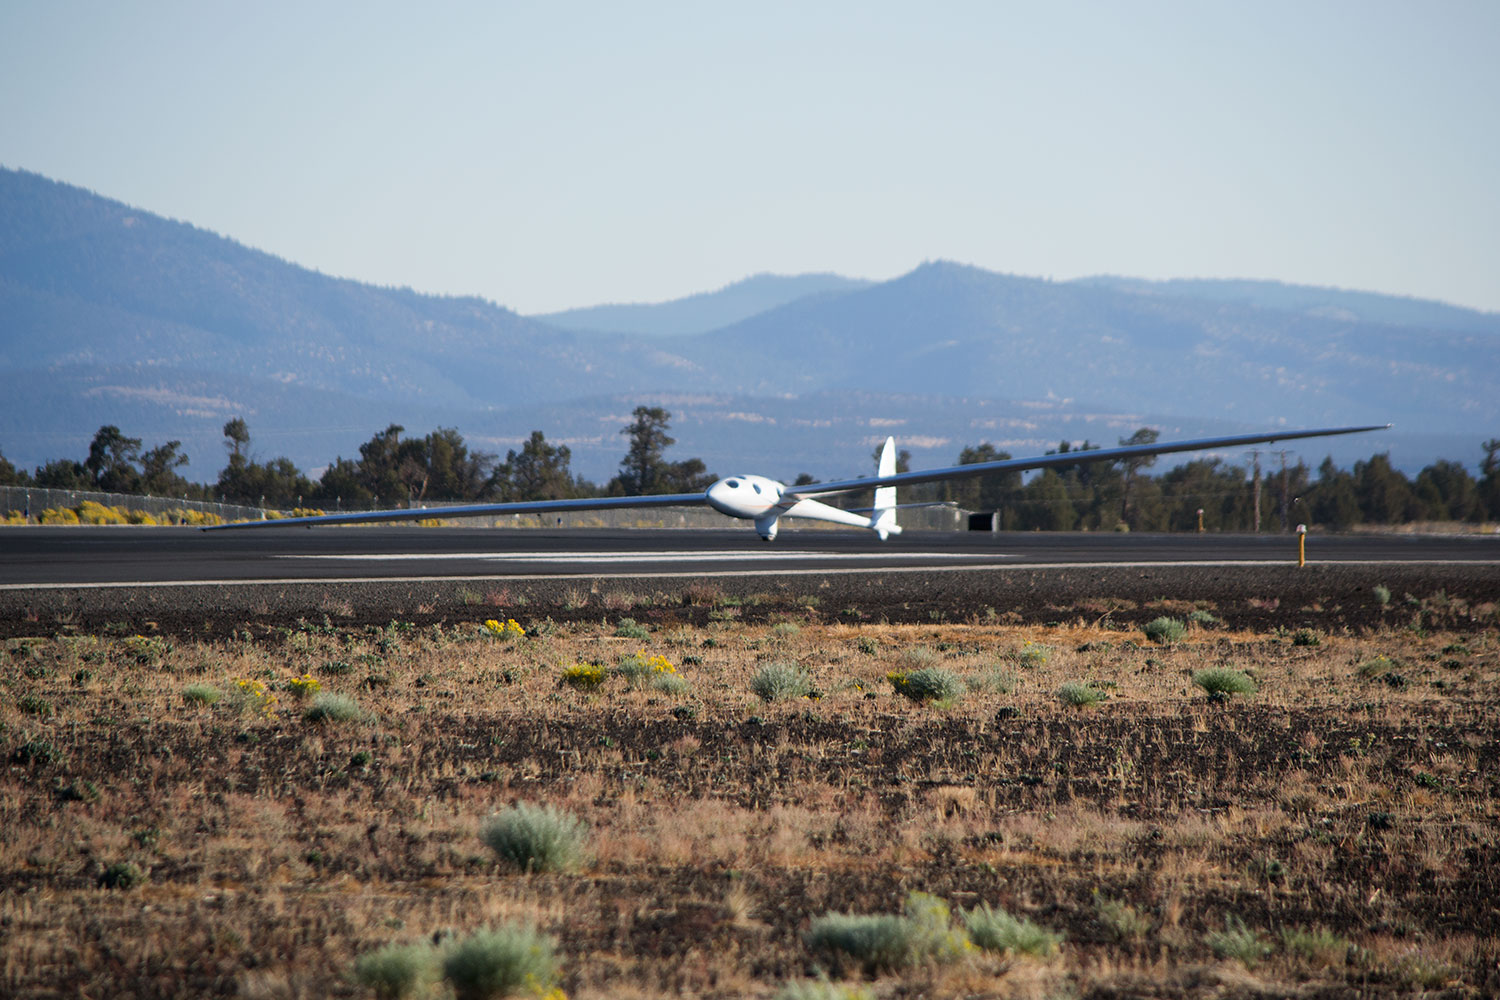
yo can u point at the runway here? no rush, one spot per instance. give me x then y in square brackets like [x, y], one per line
[43, 557]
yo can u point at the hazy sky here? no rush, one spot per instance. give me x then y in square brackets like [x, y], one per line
[552, 155]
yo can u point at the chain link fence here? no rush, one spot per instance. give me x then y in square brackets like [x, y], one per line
[32, 501]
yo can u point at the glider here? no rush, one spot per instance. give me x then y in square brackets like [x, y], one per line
[766, 501]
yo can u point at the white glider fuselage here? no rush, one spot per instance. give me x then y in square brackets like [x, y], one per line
[762, 500]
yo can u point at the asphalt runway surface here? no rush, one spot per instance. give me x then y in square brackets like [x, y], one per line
[114, 556]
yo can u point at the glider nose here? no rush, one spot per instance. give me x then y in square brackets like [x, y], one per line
[721, 497]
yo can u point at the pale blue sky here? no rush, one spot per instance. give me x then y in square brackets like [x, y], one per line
[552, 155]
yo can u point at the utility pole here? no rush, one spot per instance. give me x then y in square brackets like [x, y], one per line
[1285, 499]
[1255, 458]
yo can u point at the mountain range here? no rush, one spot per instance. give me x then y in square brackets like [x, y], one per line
[110, 314]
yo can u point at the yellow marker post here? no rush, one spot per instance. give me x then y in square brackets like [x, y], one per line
[1301, 545]
[1200, 520]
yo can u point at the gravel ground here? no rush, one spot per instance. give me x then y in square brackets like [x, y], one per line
[1331, 595]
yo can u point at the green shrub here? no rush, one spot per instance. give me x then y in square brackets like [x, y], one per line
[785, 630]
[927, 684]
[1124, 921]
[781, 680]
[669, 684]
[998, 931]
[1238, 941]
[201, 694]
[330, 707]
[1080, 695]
[79, 790]
[536, 838]
[36, 751]
[1203, 619]
[884, 942]
[397, 970]
[1306, 637]
[1383, 595]
[1223, 682]
[1376, 667]
[1320, 945]
[35, 704]
[501, 962]
[1033, 654]
[629, 629]
[122, 875]
[1165, 631]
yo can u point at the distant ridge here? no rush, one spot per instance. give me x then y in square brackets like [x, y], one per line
[110, 314]
[1331, 303]
[705, 311]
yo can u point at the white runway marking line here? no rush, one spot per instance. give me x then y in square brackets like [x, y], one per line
[688, 556]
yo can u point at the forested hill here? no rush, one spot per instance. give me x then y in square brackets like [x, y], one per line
[707, 310]
[112, 315]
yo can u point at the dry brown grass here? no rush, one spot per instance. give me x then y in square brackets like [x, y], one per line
[720, 825]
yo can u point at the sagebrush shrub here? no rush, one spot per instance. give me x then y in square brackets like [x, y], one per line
[201, 694]
[1080, 695]
[330, 707]
[1165, 631]
[927, 684]
[996, 930]
[886, 942]
[1124, 921]
[1033, 654]
[781, 680]
[1320, 945]
[1238, 941]
[122, 875]
[397, 970]
[500, 962]
[536, 838]
[629, 629]
[1223, 682]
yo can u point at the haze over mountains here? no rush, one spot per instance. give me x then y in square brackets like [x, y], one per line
[110, 314]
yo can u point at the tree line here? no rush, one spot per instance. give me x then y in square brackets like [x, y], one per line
[1269, 495]
[391, 470]
[397, 470]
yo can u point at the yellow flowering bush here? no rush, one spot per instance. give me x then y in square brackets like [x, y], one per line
[504, 631]
[584, 676]
[305, 687]
[254, 695]
[639, 669]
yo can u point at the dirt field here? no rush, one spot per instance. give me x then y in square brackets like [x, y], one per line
[1332, 834]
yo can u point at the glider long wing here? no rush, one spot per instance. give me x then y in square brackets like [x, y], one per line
[792, 494]
[477, 510]
[1064, 459]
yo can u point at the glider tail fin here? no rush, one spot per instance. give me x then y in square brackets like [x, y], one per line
[883, 520]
